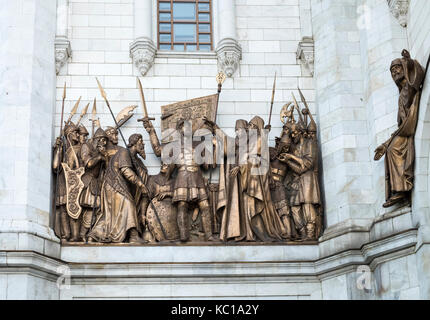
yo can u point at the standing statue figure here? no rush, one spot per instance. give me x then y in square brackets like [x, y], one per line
[263, 218]
[119, 213]
[279, 171]
[69, 226]
[230, 209]
[83, 134]
[399, 150]
[93, 154]
[112, 145]
[141, 196]
[304, 163]
[189, 187]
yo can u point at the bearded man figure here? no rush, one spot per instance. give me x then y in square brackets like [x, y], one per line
[68, 228]
[119, 213]
[399, 150]
[93, 154]
[263, 218]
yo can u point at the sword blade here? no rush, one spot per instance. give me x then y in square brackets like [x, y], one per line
[142, 98]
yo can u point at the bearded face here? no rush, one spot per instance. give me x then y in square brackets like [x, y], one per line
[296, 136]
[113, 136]
[140, 148]
[83, 138]
[74, 137]
[164, 168]
[398, 74]
[101, 143]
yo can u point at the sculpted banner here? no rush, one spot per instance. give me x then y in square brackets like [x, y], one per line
[263, 194]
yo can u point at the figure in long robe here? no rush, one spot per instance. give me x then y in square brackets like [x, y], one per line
[260, 211]
[399, 150]
[118, 220]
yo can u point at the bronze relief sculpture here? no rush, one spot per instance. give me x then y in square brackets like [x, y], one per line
[399, 150]
[262, 194]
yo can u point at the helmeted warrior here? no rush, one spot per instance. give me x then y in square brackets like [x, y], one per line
[94, 158]
[189, 186]
[279, 172]
[69, 227]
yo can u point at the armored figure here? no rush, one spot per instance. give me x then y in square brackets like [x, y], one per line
[93, 155]
[83, 134]
[399, 150]
[119, 213]
[306, 198]
[279, 172]
[189, 187]
[112, 145]
[67, 198]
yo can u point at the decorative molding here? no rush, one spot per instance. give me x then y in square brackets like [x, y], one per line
[229, 53]
[142, 51]
[306, 53]
[63, 51]
[399, 9]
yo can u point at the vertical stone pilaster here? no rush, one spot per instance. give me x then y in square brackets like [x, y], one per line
[27, 99]
[228, 50]
[63, 50]
[143, 49]
[343, 128]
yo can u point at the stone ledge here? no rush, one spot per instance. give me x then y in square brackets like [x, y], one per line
[188, 254]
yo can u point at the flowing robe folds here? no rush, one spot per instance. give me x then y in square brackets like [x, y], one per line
[118, 206]
[400, 155]
[234, 224]
[257, 195]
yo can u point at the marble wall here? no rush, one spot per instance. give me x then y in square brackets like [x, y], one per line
[365, 253]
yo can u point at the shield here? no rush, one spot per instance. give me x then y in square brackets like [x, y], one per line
[167, 214]
[193, 110]
[74, 187]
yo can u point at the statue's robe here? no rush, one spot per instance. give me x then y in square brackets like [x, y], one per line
[400, 155]
[166, 211]
[257, 195]
[308, 196]
[234, 224]
[118, 205]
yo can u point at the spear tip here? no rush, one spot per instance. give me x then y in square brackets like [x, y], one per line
[102, 91]
[64, 91]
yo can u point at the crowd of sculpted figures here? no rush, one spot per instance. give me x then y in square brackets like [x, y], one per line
[104, 193]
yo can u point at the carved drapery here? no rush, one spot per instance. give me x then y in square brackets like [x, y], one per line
[399, 9]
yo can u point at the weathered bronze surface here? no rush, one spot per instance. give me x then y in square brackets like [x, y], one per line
[399, 150]
[104, 194]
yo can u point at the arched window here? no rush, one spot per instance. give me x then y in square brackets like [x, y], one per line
[185, 25]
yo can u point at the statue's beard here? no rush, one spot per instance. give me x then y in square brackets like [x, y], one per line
[142, 153]
[398, 79]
